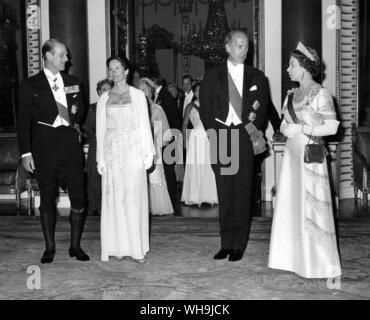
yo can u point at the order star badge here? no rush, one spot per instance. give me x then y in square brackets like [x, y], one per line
[256, 105]
[252, 116]
[74, 109]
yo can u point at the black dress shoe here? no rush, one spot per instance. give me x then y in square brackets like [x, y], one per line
[48, 256]
[79, 254]
[222, 254]
[236, 255]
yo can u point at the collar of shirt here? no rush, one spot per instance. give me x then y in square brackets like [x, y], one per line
[51, 76]
[235, 69]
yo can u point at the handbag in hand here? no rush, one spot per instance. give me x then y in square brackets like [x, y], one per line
[314, 153]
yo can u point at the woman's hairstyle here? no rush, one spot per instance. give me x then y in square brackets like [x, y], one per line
[312, 66]
[101, 83]
[149, 83]
[123, 61]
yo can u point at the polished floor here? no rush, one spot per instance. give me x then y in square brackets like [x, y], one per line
[179, 265]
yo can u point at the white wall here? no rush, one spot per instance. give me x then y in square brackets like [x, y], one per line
[273, 70]
[97, 42]
[329, 45]
[45, 23]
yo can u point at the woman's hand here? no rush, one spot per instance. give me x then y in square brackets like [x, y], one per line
[291, 129]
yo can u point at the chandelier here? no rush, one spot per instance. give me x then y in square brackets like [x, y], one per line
[208, 44]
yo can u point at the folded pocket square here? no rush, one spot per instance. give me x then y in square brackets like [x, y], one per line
[254, 88]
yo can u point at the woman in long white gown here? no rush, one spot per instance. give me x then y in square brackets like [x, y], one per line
[159, 198]
[303, 238]
[199, 184]
[125, 151]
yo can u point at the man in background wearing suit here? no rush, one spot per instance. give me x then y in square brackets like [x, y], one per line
[233, 102]
[51, 106]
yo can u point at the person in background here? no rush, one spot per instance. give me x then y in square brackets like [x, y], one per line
[93, 177]
[199, 181]
[176, 93]
[159, 199]
[168, 104]
[136, 78]
[187, 86]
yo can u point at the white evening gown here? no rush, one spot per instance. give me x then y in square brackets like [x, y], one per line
[125, 212]
[159, 199]
[303, 238]
[199, 184]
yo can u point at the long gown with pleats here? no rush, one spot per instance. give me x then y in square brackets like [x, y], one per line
[159, 198]
[199, 184]
[303, 237]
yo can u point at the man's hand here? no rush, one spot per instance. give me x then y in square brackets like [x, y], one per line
[28, 164]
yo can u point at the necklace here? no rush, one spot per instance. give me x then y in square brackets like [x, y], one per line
[301, 93]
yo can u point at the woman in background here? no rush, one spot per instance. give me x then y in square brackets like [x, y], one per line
[199, 180]
[159, 199]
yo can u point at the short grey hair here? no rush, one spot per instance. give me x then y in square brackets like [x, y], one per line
[231, 33]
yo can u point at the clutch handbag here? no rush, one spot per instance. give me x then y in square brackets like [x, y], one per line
[314, 153]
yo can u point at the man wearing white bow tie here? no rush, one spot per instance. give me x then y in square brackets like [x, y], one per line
[51, 106]
[234, 99]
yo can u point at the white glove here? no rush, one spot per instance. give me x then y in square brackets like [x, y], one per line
[101, 168]
[291, 129]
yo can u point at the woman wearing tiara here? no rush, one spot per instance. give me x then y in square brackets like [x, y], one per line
[303, 238]
[125, 151]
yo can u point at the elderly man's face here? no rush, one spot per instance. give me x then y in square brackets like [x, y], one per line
[237, 48]
[57, 58]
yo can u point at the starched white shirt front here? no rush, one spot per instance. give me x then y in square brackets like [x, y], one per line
[237, 74]
[57, 87]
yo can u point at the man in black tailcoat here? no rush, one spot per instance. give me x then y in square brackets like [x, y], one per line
[233, 103]
[51, 106]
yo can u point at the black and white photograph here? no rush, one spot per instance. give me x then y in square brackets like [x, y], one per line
[184, 155]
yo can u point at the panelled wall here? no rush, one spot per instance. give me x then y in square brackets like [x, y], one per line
[347, 89]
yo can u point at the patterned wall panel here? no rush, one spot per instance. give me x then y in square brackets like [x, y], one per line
[347, 89]
[118, 27]
[33, 36]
